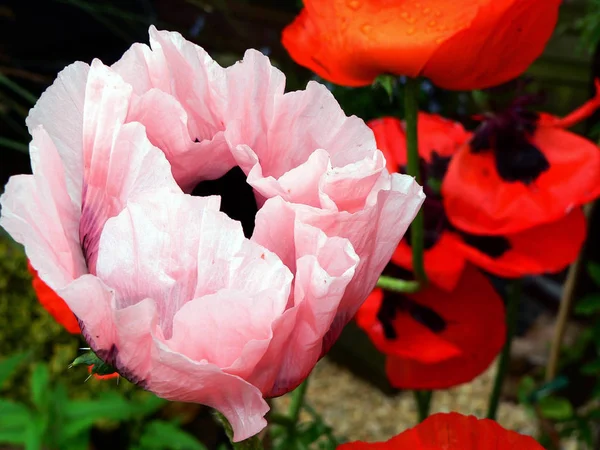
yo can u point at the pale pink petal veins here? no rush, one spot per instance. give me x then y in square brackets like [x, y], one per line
[215, 296]
[39, 213]
[119, 160]
[60, 111]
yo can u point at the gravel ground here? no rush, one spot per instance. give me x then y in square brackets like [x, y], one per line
[359, 411]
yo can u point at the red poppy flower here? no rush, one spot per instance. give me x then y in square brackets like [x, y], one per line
[58, 309]
[436, 135]
[435, 339]
[459, 44]
[546, 248]
[52, 303]
[521, 170]
[452, 431]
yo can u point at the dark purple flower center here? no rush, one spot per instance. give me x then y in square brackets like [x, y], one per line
[509, 135]
[435, 220]
[394, 303]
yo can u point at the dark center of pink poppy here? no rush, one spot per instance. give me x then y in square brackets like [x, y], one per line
[237, 197]
[509, 135]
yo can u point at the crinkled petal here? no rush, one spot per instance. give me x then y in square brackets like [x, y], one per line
[323, 266]
[119, 159]
[38, 212]
[60, 111]
[192, 160]
[141, 354]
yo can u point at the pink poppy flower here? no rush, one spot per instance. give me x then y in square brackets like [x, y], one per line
[166, 287]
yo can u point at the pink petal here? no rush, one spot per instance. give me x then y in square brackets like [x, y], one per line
[39, 213]
[176, 248]
[227, 328]
[323, 267]
[92, 301]
[181, 94]
[166, 126]
[374, 233]
[143, 356]
[60, 111]
[119, 159]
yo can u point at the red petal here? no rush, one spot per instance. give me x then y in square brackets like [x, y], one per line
[452, 431]
[478, 201]
[103, 377]
[55, 305]
[444, 263]
[350, 42]
[414, 339]
[546, 248]
[474, 314]
[436, 134]
[463, 44]
[503, 40]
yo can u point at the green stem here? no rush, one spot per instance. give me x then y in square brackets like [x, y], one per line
[297, 401]
[411, 111]
[252, 443]
[423, 399]
[512, 309]
[397, 285]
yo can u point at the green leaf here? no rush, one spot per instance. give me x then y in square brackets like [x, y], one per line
[311, 432]
[10, 364]
[161, 435]
[99, 367]
[387, 82]
[588, 305]
[556, 408]
[81, 415]
[14, 422]
[592, 368]
[594, 271]
[35, 433]
[596, 391]
[40, 384]
[549, 388]
[525, 389]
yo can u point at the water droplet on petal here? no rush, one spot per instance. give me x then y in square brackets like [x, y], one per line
[366, 28]
[405, 15]
[432, 23]
[410, 31]
[426, 11]
[353, 4]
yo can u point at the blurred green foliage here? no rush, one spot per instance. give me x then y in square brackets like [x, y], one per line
[26, 326]
[51, 420]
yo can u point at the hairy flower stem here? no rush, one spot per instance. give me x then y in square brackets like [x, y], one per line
[512, 309]
[252, 443]
[423, 399]
[411, 110]
[297, 401]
